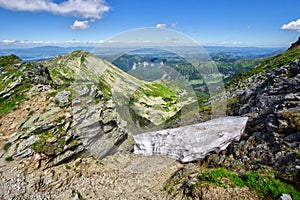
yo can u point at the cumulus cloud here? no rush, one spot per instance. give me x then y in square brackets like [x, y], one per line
[80, 25]
[292, 26]
[87, 9]
[161, 25]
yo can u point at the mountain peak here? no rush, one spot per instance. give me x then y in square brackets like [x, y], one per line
[295, 44]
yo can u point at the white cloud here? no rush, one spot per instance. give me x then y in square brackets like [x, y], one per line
[23, 43]
[292, 26]
[161, 25]
[80, 25]
[174, 25]
[8, 41]
[29, 43]
[87, 9]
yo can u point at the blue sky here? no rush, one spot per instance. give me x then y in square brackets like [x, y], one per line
[213, 22]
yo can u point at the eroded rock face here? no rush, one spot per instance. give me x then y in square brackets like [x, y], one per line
[191, 143]
[272, 104]
[271, 100]
[97, 124]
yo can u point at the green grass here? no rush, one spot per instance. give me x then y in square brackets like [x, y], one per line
[263, 184]
[6, 146]
[52, 94]
[38, 146]
[6, 105]
[67, 167]
[201, 96]
[160, 90]
[268, 187]
[9, 60]
[104, 88]
[60, 119]
[42, 146]
[9, 158]
[82, 59]
[155, 90]
[221, 177]
[61, 78]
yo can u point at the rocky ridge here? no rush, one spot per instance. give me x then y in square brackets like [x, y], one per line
[66, 109]
[56, 126]
[85, 110]
[295, 44]
[270, 98]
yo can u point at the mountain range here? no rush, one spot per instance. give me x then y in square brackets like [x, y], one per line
[47, 52]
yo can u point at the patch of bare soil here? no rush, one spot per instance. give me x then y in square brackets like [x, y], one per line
[10, 122]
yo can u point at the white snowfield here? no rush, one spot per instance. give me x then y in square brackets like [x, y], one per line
[191, 143]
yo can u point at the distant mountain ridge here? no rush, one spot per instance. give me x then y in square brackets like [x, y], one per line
[41, 53]
[47, 52]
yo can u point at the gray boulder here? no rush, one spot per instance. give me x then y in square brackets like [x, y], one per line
[191, 143]
[82, 90]
[11, 86]
[62, 98]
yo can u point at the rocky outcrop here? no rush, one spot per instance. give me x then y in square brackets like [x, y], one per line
[271, 101]
[295, 44]
[97, 124]
[93, 106]
[273, 107]
[37, 73]
[47, 130]
[17, 74]
[6, 92]
[62, 98]
[191, 143]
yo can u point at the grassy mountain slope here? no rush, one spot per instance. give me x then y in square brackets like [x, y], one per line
[270, 63]
[148, 102]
